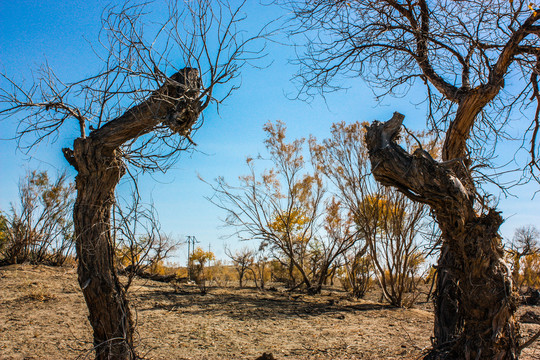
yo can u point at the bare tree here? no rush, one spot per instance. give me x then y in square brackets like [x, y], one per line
[140, 245]
[138, 112]
[465, 53]
[284, 209]
[394, 250]
[243, 261]
[4, 231]
[524, 243]
[281, 207]
[260, 266]
[340, 234]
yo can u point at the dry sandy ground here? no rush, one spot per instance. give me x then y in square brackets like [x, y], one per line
[43, 316]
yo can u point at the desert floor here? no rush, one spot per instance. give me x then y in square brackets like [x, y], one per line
[43, 316]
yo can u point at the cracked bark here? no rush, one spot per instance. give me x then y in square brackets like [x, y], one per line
[475, 317]
[98, 161]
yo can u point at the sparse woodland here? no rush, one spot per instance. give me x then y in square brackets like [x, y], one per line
[374, 219]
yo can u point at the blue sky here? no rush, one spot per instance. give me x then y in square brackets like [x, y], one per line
[32, 32]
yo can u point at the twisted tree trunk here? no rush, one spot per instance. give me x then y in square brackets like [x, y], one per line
[105, 297]
[475, 277]
[98, 161]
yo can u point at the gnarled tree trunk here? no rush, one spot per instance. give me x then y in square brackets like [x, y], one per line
[473, 274]
[97, 159]
[447, 320]
[109, 313]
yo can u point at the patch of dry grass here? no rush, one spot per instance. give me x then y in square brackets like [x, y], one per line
[43, 316]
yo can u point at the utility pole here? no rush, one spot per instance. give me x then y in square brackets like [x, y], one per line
[209, 251]
[191, 240]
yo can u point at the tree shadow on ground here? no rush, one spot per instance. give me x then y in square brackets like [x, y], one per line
[244, 304]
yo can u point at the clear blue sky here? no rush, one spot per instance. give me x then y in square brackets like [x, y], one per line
[32, 32]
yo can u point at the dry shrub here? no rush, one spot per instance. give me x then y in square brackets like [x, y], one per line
[220, 274]
[530, 271]
[181, 272]
[39, 229]
[356, 275]
[38, 292]
[40, 295]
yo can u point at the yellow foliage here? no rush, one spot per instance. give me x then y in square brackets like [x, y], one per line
[416, 260]
[126, 257]
[201, 257]
[158, 268]
[530, 270]
[3, 230]
[181, 272]
[221, 274]
[289, 222]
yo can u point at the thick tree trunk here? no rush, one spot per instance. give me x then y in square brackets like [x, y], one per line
[483, 288]
[98, 161]
[108, 308]
[473, 274]
[447, 323]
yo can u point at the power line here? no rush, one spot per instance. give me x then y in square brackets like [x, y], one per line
[191, 240]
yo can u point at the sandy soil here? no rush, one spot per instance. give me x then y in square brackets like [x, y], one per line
[43, 316]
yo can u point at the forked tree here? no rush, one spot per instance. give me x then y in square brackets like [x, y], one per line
[137, 112]
[478, 62]
[243, 260]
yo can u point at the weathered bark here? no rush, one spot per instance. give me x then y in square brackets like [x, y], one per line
[447, 322]
[98, 162]
[108, 308]
[474, 270]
